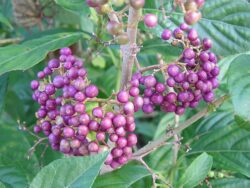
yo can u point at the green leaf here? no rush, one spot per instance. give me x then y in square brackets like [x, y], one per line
[226, 22]
[12, 177]
[5, 21]
[79, 6]
[196, 171]
[229, 147]
[3, 89]
[70, 172]
[230, 183]
[29, 53]
[121, 178]
[239, 88]
[99, 62]
[14, 146]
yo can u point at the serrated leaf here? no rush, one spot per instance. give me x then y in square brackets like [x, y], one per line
[12, 177]
[196, 171]
[70, 172]
[226, 22]
[14, 146]
[29, 53]
[229, 147]
[121, 178]
[239, 88]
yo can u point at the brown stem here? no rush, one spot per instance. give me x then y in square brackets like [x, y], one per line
[130, 50]
[158, 143]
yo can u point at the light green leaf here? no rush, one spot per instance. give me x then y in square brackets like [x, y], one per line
[5, 21]
[196, 171]
[79, 6]
[29, 53]
[99, 62]
[74, 172]
[121, 178]
[239, 88]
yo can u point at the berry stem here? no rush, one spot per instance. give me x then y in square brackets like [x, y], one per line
[154, 176]
[98, 100]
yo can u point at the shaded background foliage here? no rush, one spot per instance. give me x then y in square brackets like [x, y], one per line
[223, 135]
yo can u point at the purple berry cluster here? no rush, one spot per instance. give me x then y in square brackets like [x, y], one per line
[194, 76]
[63, 91]
[189, 80]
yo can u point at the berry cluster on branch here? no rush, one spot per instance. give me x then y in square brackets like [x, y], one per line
[63, 91]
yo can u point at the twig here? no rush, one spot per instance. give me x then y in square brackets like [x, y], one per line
[152, 67]
[103, 101]
[154, 176]
[176, 146]
[158, 143]
[33, 148]
[7, 41]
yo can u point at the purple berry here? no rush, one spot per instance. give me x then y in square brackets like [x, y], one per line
[83, 130]
[178, 33]
[119, 120]
[207, 43]
[134, 91]
[192, 78]
[58, 81]
[173, 70]
[123, 96]
[192, 35]
[204, 57]
[160, 87]
[131, 140]
[106, 123]
[150, 81]
[166, 34]
[188, 53]
[53, 63]
[150, 20]
[170, 82]
[209, 97]
[34, 84]
[97, 112]
[68, 132]
[91, 91]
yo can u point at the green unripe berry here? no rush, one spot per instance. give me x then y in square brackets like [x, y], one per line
[114, 28]
[122, 39]
[137, 4]
[117, 3]
[220, 175]
[100, 2]
[104, 9]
